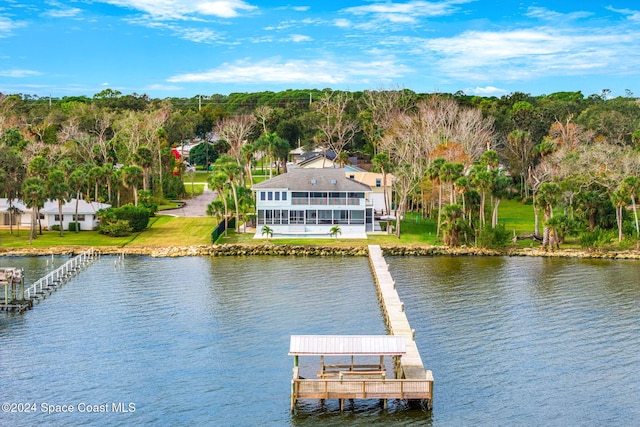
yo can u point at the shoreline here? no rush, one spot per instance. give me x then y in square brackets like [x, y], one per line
[313, 250]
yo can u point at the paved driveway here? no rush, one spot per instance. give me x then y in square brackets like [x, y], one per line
[196, 206]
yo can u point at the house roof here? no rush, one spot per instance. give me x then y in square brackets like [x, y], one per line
[313, 180]
[324, 345]
[4, 205]
[84, 208]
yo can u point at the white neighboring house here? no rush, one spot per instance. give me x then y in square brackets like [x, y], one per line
[49, 214]
[20, 211]
[309, 202]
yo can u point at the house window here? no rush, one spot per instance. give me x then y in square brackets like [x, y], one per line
[270, 195]
[284, 195]
[357, 217]
[312, 217]
[299, 198]
[263, 195]
[296, 217]
[268, 216]
[277, 195]
[285, 217]
[79, 217]
[341, 217]
[260, 217]
[378, 182]
[324, 217]
[57, 217]
[318, 198]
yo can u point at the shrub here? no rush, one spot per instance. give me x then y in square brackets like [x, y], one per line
[137, 216]
[54, 227]
[498, 237]
[595, 239]
[74, 226]
[119, 228]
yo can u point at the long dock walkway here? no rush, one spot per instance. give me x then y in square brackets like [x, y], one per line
[22, 299]
[411, 366]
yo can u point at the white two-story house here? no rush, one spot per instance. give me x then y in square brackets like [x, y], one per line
[309, 202]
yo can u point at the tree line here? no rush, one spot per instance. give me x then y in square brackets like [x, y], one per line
[453, 156]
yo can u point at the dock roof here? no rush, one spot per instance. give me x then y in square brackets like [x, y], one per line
[327, 345]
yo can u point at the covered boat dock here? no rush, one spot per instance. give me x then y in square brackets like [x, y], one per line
[360, 371]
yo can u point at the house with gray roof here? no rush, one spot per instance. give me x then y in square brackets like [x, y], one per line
[309, 202]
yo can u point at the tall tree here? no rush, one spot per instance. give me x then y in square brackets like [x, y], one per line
[34, 193]
[336, 127]
[217, 181]
[58, 189]
[132, 178]
[228, 165]
[236, 131]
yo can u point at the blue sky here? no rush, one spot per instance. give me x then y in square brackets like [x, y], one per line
[184, 48]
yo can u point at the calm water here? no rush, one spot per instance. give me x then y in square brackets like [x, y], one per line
[200, 341]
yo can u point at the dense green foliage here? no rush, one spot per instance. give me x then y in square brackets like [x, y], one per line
[116, 148]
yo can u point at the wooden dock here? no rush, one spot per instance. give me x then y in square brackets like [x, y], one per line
[411, 367]
[21, 299]
[411, 381]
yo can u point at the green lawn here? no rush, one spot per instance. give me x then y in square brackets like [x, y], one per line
[179, 231]
[162, 231]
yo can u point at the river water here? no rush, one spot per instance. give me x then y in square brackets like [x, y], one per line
[204, 341]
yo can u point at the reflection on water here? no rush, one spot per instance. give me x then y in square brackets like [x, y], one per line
[204, 341]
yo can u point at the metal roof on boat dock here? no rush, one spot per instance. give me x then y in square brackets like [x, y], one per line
[324, 345]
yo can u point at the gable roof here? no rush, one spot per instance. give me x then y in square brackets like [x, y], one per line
[313, 180]
[84, 208]
[323, 345]
[4, 205]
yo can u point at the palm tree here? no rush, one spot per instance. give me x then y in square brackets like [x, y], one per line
[144, 159]
[247, 156]
[334, 231]
[269, 143]
[34, 193]
[632, 186]
[58, 189]
[267, 230]
[131, 178]
[96, 175]
[453, 225]
[433, 173]
[217, 181]
[77, 181]
[547, 196]
[230, 167]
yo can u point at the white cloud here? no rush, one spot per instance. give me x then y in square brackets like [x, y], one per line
[297, 38]
[342, 23]
[487, 90]
[7, 26]
[551, 15]
[61, 10]
[407, 12]
[19, 73]
[632, 15]
[277, 71]
[531, 53]
[197, 35]
[185, 9]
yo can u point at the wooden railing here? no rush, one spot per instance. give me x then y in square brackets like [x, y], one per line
[416, 389]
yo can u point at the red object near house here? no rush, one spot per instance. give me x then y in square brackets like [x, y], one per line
[176, 154]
